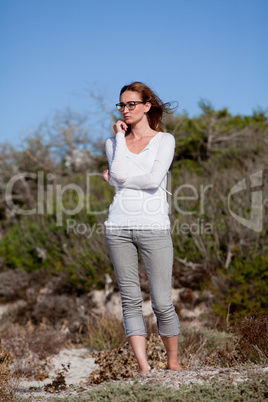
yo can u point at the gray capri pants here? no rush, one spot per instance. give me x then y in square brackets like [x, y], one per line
[156, 251]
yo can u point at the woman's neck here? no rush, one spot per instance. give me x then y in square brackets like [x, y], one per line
[140, 130]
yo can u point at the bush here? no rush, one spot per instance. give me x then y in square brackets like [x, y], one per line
[243, 287]
[252, 334]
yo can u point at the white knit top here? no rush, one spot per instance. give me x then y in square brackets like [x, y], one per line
[140, 181]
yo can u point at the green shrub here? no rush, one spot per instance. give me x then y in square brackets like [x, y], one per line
[243, 287]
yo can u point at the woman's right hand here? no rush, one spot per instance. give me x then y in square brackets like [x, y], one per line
[120, 126]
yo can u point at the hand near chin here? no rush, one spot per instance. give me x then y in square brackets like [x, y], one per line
[120, 126]
[106, 175]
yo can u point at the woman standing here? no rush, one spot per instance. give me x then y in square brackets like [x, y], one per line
[139, 158]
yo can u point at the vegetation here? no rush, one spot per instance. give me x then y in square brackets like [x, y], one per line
[252, 390]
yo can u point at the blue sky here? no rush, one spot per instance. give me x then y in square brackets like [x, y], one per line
[53, 52]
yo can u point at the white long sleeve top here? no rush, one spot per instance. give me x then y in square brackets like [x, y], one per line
[140, 181]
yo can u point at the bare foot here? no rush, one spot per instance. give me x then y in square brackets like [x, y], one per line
[175, 367]
[145, 371]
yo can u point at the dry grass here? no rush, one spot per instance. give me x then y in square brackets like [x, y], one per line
[102, 332]
[105, 332]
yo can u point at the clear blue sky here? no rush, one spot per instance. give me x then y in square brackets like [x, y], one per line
[53, 51]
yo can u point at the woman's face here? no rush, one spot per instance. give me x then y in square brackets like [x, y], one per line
[137, 114]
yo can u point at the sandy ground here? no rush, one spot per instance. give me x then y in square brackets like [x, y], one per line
[81, 365]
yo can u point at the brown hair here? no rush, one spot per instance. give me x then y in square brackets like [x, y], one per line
[158, 107]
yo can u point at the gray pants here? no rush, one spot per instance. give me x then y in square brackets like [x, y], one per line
[156, 251]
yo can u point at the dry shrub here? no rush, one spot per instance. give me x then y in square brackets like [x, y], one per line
[8, 381]
[252, 343]
[121, 363]
[13, 284]
[31, 348]
[59, 383]
[247, 343]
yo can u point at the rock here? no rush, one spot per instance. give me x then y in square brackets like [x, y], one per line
[98, 299]
[114, 307]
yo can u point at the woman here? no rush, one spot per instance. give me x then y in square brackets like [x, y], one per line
[139, 158]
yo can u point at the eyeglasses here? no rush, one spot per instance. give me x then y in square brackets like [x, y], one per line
[129, 105]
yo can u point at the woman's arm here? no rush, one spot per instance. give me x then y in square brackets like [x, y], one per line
[117, 159]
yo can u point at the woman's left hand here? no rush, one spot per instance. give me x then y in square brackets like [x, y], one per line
[106, 175]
